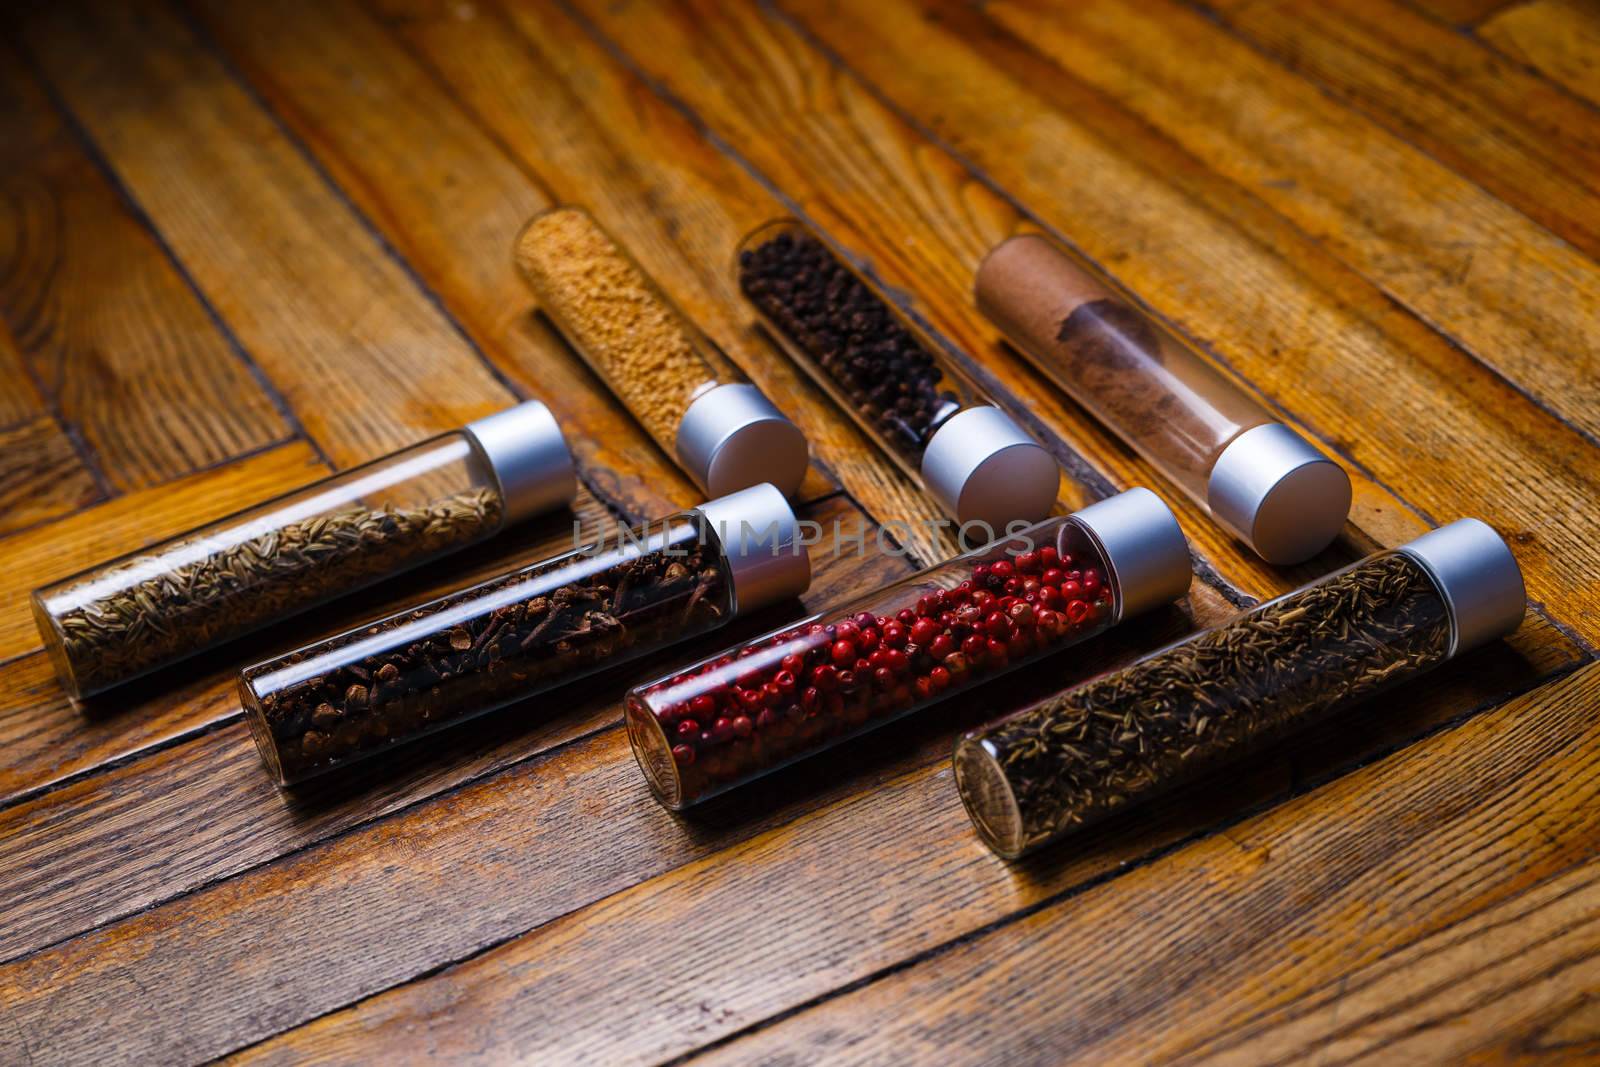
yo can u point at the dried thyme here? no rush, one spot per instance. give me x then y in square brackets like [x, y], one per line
[1135, 732]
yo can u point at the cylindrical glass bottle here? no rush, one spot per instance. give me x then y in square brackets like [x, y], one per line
[1135, 733]
[889, 376]
[808, 687]
[723, 430]
[457, 657]
[1257, 477]
[151, 608]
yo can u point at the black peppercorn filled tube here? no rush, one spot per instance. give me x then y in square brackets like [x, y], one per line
[810, 687]
[1131, 735]
[892, 379]
[417, 671]
[159, 605]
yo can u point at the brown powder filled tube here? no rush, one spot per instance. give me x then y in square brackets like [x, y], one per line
[724, 433]
[1258, 478]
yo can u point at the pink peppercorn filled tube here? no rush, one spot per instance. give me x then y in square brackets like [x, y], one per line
[808, 687]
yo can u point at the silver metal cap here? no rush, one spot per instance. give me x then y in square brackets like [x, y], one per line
[982, 467]
[1144, 547]
[529, 457]
[1479, 578]
[761, 540]
[732, 437]
[1278, 494]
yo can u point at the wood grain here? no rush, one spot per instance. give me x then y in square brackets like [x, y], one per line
[19, 396]
[1396, 397]
[1463, 12]
[919, 221]
[1241, 947]
[1559, 38]
[44, 554]
[361, 354]
[42, 476]
[697, 954]
[124, 349]
[101, 848]
[1485, 116]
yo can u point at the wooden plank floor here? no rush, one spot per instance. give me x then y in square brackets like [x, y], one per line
[242, 245]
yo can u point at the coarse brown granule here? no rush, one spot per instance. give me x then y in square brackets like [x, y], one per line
[616, 318]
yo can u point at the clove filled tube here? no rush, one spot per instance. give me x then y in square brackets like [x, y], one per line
[890, 377]
[1133, 734]
[723, 430]
[365, 691]
[159, 605]
[1257, 477]
[809, 687]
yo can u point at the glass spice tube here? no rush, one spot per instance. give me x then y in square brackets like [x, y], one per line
[723, 430]
[1133, 734]
[151, 608]
[808, 687]
[418, 671]
[888, 375]
[1256, 476]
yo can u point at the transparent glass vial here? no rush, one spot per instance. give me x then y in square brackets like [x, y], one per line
[809, 687]
[1135, 733]
[1257, 477]
[151, 608]
[890, 377]
[723, 430]
[417, 671]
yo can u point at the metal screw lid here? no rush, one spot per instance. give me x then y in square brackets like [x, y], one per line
[982, 467]
[529, 458]
[761, 541]
[733, 437]
[1278, 494]
[1479, 578]
[1144, 547]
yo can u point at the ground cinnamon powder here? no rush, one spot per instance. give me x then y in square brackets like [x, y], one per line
[616, 318]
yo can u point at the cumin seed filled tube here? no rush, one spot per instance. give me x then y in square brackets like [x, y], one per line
[1258, 478]
[159, 605]
[891, 378]
[724, 432]
[1133, 734]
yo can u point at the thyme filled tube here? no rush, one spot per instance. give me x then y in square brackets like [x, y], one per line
[890, 377]
[725, 434]
[1131, 735]
[151, 608]
[1256, 476]
[420, 670]
[809, 687]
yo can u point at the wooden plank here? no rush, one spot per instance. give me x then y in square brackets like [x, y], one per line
[1481, 273]
[1400, 913]
[918, 219]
[41, 475]
[47, 739]
[19, 397]
[1559, 38]
[1404, 403]
[1485, 116]
[445, 196]
[1463, 12]
[774, 920]
[363, 357]
[124, 349]
[44, 554]
[95, 850]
